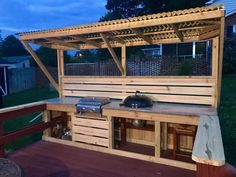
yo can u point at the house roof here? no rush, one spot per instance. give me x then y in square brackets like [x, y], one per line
[15, 59]
[170, 27]
[4, 63]
[230, 5]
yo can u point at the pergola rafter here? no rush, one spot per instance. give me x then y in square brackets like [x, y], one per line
[178, 33]
[141, 35]
[79, 38]
[143, 28]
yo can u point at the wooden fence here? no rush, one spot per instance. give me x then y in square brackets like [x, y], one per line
[164, 66]
[20, 79]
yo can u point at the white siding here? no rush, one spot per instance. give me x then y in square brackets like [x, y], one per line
[230, 5]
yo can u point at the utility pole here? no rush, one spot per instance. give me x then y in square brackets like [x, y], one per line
[1, 40]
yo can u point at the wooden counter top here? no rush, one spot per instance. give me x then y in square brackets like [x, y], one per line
[66, 104]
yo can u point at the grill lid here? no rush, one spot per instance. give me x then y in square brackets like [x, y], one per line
[91, 104]
[138, 101]
[94, 101]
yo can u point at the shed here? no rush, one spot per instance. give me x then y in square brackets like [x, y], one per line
[4, 65]
[17, 61]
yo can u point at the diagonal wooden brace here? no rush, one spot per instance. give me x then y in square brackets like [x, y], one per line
[112, 52]
[40, 64]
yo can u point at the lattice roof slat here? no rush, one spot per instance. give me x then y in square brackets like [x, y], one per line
[168, 27]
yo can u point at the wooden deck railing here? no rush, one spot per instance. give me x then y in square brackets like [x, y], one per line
[208, 151]
[12, 112]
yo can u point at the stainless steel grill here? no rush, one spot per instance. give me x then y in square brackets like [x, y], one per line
[91, 104]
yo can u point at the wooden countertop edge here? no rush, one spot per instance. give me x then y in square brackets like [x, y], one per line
[152, 112]
[22, 106]
[57, 107]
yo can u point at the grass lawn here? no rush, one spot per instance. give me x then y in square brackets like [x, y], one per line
[26, 96]
[226, 111]
[227, 114]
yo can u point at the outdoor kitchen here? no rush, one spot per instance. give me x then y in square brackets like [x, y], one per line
[167, 120]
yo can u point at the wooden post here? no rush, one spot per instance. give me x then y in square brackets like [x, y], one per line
[215, 59]
[123, 131]
[111, 132]
[47, 118]
[157, 139]
[40, 64]
[123, 59]
[221, 49]
[164, 135]
[60, 67]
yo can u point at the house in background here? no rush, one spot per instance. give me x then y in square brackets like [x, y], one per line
[17, 61]
[197, 49]
[7, 64]
[230, 15]
[4, 65]
[184, 50]
[153, 50]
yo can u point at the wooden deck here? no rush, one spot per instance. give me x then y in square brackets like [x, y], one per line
[46, 159]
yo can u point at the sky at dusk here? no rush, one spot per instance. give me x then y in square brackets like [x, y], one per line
[28, 15]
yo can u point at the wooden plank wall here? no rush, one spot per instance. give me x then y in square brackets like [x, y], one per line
[195, 90]
[148, 138]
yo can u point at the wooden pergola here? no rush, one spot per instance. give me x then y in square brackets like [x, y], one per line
[197, 97]
[189, 25]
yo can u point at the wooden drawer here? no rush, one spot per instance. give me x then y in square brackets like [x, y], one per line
[90, 130]
[103, 124]
[91, 140]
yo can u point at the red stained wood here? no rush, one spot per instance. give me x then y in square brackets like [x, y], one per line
[29, 130]
[13, 114]
[1, 145]
[204, 170]
[45, 159]
[138, 148]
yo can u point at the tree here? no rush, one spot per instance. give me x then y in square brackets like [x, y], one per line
[117, 9]
[122, 9]
[49, 56]
[11, 46]
[229, 62]
[85, 56]
[130, 8]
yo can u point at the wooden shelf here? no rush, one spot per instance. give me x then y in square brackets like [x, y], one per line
[147, 127]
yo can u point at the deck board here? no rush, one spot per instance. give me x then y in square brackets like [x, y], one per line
[46, 159]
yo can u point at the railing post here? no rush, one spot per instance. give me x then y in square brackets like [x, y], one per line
[2, 146]
[47, 118]
[205, 170]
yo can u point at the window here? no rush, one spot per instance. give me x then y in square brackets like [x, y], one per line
[153, 52]
[234, 28]
[231, 30]
[156, 53]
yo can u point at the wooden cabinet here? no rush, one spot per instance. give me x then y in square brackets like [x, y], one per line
[90, 130]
